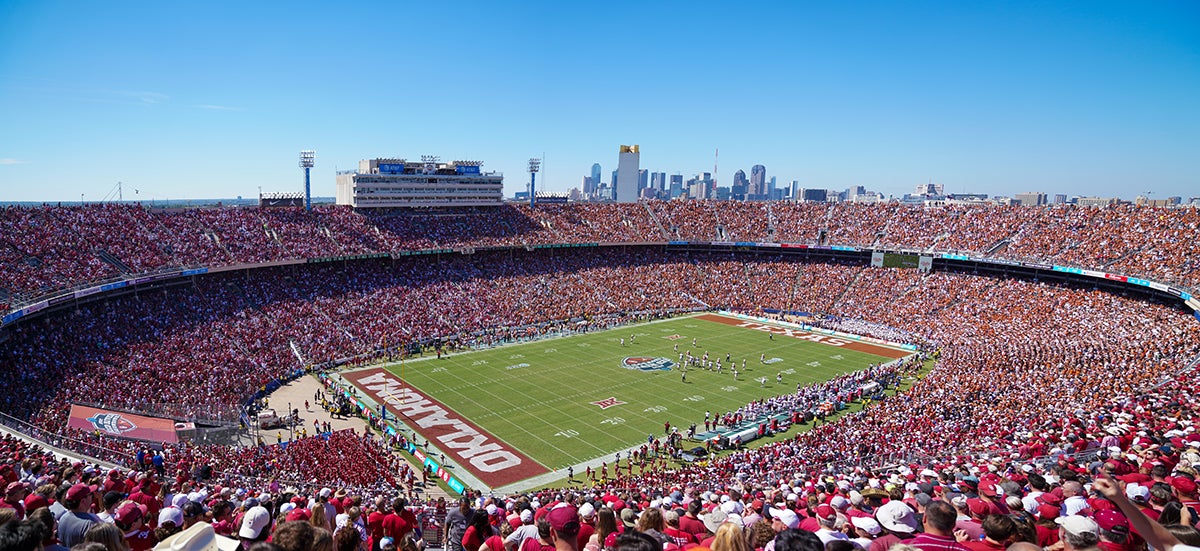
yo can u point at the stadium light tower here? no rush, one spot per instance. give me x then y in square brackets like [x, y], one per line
[534, 165]
[307, 158]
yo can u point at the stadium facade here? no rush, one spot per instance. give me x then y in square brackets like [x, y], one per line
[392, 183]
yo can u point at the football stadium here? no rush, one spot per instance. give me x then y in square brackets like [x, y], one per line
[519, 356]
[599, 276]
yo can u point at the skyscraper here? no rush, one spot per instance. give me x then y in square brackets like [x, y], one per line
[596, 175]
[658, 181]
[740, 186]
[627, 174]
[758, 183]
[676, 186]
[643, 180]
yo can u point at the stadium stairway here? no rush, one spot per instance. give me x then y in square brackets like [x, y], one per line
[849, 286]
[657, 222]
[113, 261]
[998, 247]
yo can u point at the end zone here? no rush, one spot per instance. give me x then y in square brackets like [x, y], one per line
[492, 461]
[802, 334]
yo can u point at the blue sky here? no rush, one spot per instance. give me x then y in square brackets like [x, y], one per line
[214, 99]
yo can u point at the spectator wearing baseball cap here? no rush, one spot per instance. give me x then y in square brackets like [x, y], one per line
[866, 529]
[1077, 533]
[1185, 490]
[1044, 525]
[527, 530]
[14, 495]
[130, 517]
[74, 524]
[254, 526]
[993, 495]
[1114, 530]
[827, 517]
[678, 537]
[564, 528]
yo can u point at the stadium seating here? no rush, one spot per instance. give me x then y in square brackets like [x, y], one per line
[1026, 369]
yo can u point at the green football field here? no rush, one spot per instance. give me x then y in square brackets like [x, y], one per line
[545, 398]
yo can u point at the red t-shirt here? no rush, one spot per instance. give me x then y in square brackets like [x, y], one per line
[585, 533]
[141, 541]
[693, 526]
[395, 526]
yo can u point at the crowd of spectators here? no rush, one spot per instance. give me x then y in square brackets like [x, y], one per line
[1025, 370]
[48, 248]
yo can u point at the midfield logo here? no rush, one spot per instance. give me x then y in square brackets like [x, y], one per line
[642, 363]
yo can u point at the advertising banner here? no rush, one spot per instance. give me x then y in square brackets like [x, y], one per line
[122, 425]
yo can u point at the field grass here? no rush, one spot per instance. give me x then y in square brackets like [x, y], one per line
[538, 396]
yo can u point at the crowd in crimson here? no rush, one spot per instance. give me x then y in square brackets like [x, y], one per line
[1025, 370]
[48, 248]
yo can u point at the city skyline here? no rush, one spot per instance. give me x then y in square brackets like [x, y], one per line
[187, 101]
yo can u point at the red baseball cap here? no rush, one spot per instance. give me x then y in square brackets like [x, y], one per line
[79, 492]
[1185, 486]
[1112, 521]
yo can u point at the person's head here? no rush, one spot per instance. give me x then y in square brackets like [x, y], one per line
[795, 539]
[632, 540]
[89, 546]
[109, 535]
[840, 545]
[761, 533]
[346, 540]
[1114, 526]
[606, 522]
[671, 518]
[21, 536]
[398, 505]
[129, 515]
[192, 513]
[255, 523]
[651, 519]
[543, 528]
[78, 498]
[318, 516]
[1078, 532]
[940, 518]
[694, 507]
[479, 519]
[564, 527]
[999, 528]
[730, 538]
[865, 527]
[294, 536]
[826, 516]
[1170, 513]
[322, 539]
[1160, 494]
[49, 524]
[1186, 535]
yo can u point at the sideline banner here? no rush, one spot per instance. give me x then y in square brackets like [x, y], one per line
[122, 425]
